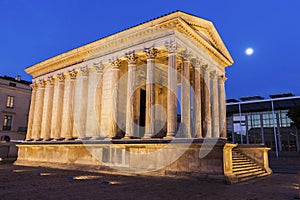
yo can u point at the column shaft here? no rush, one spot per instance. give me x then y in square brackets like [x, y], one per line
[92, 126]
[197, 103]
[222, 107]
[37, 119]
[57, 108]
[131, 99]
[67, 118]
[150, 93]
[215, 107]
[47, 110]
[115, 73]
[185, 100]
[98, 98]
[206, 104]
[29, 135]
[172, 97]
[81, 102]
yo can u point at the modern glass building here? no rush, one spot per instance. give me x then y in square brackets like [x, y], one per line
[255, 120]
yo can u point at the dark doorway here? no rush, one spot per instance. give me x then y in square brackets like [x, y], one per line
[142, 120]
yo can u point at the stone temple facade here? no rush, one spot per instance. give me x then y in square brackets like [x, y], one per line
[114, 102]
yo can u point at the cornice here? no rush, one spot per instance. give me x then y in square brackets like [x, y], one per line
[179, 21]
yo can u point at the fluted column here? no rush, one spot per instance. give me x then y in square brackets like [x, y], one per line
[172, 92]
[185, 96]
[67, 115]
[215, 106]
[29, 135]
[57, 107]
[150, 93]
[115, 73]
[47, 110]
[38, 112]
[206, 111]
[98, 104]
[92, 126]
[222, 106]
[131, 97]
[81, 102]
[197, 99]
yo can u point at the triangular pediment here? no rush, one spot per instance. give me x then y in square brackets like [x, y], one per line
[206, 30]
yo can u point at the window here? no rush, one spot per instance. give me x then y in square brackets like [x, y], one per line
[285, 121]
[12, 84]
[7, 123]
[10, 102]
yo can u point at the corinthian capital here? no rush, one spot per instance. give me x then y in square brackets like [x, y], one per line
[171, 46]
[197, 63]
[61, 77]
[131, 57]
[41, 83]
[213, 74]
[50, 80]
[73, 73]
[186, 55]
[116, 63]
[34, 86]
[222, 79]
[99, 67]
[151, 53]
[84, 70]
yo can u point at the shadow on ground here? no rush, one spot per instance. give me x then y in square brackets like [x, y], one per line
[18, 182]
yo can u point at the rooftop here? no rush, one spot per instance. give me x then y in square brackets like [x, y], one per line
[17, 79]
[251, 104]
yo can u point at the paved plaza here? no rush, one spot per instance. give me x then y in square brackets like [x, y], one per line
[19, 182]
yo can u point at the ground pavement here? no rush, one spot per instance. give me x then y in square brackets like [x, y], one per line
[19, 182]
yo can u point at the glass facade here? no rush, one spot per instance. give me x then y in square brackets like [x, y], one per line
[262, 128]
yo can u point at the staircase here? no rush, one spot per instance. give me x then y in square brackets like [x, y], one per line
[244, 168]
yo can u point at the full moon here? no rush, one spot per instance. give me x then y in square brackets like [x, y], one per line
[249, 51]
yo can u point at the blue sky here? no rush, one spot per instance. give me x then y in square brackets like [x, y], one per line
[34, 30]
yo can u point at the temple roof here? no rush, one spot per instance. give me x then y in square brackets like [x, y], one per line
[202, 31]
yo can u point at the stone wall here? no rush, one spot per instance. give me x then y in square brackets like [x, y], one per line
[163, 157]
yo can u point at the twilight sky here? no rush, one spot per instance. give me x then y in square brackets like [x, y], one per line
[34, 30]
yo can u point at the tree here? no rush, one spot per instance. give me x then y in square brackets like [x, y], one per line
[294, 115]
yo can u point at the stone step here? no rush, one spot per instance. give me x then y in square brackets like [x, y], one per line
[243, 165]
[237, 169]
[240, 159]
[246, 178]
[244, 168]
[241, 162]
[256, 173]
[251, 171]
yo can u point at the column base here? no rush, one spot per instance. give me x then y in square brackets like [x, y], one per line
[130, 137]
[108, 138]
[170, 136]
[86, 138]
[47, 139]
[148, 135]
[58, 139]
[69, 138]
[38, 139]
[96, 138]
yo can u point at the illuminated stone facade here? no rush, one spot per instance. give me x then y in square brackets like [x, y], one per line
[117, 98]
[83, 93]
